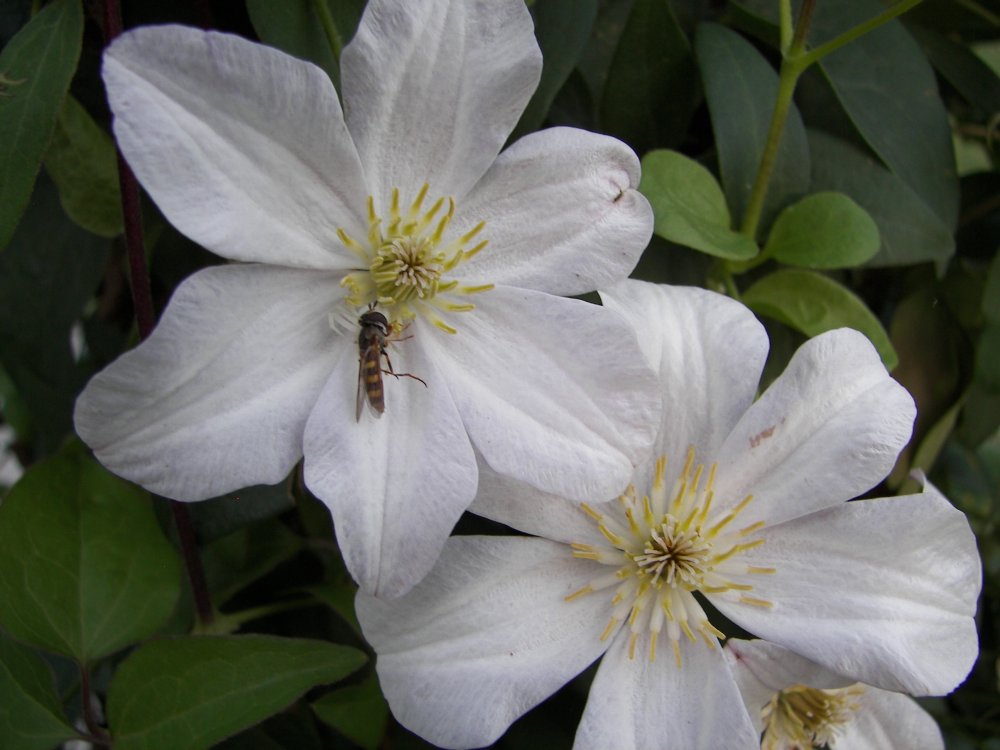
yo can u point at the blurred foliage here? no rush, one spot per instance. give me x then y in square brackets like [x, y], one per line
[883, 213]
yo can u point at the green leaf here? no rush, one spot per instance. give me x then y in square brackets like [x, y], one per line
[224, 515]
[651, 90]
[612, 15]
[82, 162]
[296, 27]
[562, 28]
[991, 293]
[741, 88]
[962, 68]
[812, 303]
[931, 446]
[47, 275]
[888, 89]
[31, 717]
[689, 207]
[988, 358]
[294, 729]
[910, 232]
[359, 712]
[233, 562]
[35, 70]
[824, 230]
[84, 568]
[338, 596]
[193, 692]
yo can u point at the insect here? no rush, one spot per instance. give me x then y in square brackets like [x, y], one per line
[372, 342]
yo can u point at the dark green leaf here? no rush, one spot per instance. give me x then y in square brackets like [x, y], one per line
[573, 105]
[296, 27]
[193, 692]
[340, 598]
[910, 232]
[930, 447]
[562, 28]
[84, 568]
[651, 90]
[812, 303]
[294, 729]
[988, 358]
[81, 161]
[689, 207]
[981, 416]
[35, 71]
[924, 334]
[824, 230]
[962, 68]
[47, 275]
[237, 560]
[221, 516]
[991, 293]
[889, 91]
[359, 712]
[30, 715]
[741, 88]
[596, 58]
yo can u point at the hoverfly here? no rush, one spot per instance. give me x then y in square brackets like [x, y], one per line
[372, 342]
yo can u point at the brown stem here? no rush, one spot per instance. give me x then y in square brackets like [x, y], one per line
[142, 301]
[94, 727]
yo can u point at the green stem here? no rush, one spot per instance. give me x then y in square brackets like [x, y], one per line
[223, 624]
[857, 31]
[329, 27]
[788, 77]
[795, 61]
[755, 206]
[727, 278]
[785, 24]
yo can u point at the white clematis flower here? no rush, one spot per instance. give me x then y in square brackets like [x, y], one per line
[399, 201]
[740, 502]
[796, 703]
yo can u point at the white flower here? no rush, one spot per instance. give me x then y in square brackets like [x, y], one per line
[399, 201]
[743, 503]
[796, 703]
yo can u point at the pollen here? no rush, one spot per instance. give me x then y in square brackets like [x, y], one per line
[665, 547]
[801, 716]
[408, 258]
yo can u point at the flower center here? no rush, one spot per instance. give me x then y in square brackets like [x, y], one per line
[407, 262]
[665, 547]
[806, 717]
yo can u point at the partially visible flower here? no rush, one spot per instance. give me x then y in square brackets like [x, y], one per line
[400, 202]
[797, 704]
[739, 503]
[10, 467]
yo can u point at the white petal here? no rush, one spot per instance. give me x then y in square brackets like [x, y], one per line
[761, 669]
[636, 704]
[553, 391]
[527, 509]
[889, 721]
[242, 147]
[395, 485]
[708, 351]
[865, 587]
[883, 720]
[432, 89]
[562, 213]
[827, 430]
[217, 397]
[485, 637]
